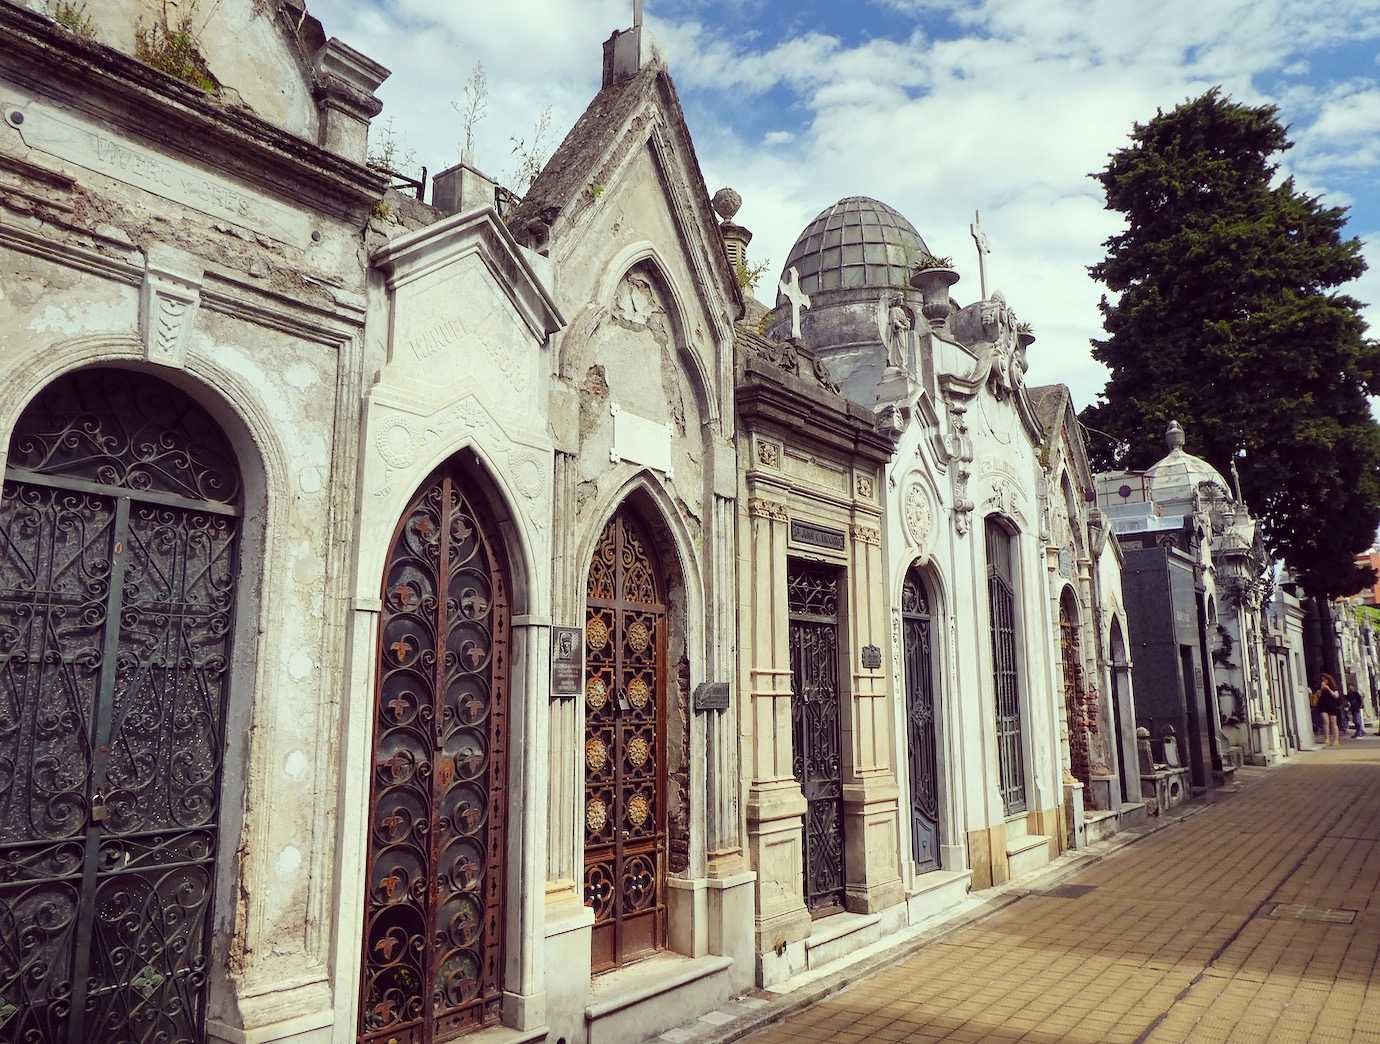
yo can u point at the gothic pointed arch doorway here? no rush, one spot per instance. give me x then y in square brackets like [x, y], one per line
[120, 522]
[1075, 711]
[625, 744]
[922, 713]
[433, 921]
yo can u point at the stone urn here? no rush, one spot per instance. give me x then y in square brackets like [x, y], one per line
[933, 282]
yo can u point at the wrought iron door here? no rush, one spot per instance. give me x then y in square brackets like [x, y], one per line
[1070, 654]
[119, 525]
[1001, 596]
[812, 593]
[433, 919]
[921, 712]
[625, 735]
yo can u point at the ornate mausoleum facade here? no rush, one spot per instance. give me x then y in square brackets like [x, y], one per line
[430, 620]
[974, 719]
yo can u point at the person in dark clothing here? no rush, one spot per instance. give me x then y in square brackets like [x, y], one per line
[1330, 703]
[1356, 702]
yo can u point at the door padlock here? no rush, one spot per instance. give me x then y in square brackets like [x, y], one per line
[99, 811]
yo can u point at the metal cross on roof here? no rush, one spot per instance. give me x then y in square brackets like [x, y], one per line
[797, 297]
[984, 247]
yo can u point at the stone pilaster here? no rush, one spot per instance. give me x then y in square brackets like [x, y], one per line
[871, 806]
[775, 804]
[565, 781]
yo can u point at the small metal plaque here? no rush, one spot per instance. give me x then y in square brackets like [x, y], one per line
[567, 661]
[711, 696]
[818, 536]
[871, 657]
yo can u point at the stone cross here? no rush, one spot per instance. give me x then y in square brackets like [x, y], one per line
[797, 297]
[637, 13]
[984, 247]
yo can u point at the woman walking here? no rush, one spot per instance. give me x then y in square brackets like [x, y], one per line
[1330, 703]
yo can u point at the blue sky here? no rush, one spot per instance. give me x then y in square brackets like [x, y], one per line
[938, 107]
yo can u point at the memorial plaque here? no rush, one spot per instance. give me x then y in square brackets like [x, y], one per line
[711, 696]
[567, 661]
[871, 657]
[819, 536]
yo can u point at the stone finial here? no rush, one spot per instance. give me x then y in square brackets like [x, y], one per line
[726, 203]
[1174, 435]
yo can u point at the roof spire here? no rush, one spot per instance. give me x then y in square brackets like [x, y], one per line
[637, 14]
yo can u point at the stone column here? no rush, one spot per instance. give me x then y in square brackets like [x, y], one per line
[775, 803]
[871, 806]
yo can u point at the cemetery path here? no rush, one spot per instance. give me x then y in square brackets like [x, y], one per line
[1257, 919]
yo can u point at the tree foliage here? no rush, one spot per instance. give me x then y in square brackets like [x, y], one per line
[1228, 318]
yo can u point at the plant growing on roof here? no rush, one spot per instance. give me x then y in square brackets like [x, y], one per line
[475, 108]
[72, 16]
[173, 46]
[531, 153]
[750, 275]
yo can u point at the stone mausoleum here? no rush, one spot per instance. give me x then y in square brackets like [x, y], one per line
[472, 618]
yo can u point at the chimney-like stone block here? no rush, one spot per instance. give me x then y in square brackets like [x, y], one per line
[623, 55]
[345, 84]
[461, 187]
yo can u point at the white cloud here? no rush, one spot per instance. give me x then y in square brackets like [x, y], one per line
[1007, 111]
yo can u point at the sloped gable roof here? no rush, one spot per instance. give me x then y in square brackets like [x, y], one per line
[576, 163]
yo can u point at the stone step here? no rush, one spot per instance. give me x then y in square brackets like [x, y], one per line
[936, 893]
[1099, 825]
[1027, 854]
[641, 1000]
[839, 935]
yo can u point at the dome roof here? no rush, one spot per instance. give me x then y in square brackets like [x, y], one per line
[858, 242]
[1179, 474]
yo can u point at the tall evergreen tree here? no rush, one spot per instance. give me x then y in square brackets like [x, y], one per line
[1227, 317]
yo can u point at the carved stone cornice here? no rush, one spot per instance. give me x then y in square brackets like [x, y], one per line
[132, 98]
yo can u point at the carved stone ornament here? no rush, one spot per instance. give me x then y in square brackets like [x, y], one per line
[864, 486]
[759, 508]
[1000, 362]
[917, 514]
[1006, 499]
[866, 535]
[634, 302]
[396, 445]
[168, 304]
[769, 454]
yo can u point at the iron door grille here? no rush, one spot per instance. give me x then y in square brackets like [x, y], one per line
[816, 733]
[921, 714]
[625, 735]
[119, 530]
[1001, 597]
[433, 917]
[1070, 653]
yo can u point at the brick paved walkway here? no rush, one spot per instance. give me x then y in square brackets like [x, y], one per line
[1212, 930]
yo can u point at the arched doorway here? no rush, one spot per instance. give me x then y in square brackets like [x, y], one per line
[1129, 758]
[1071, 656]
[119, 530]
[433, 921]
[1006, 681]
[922, 713]
[625, 745]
